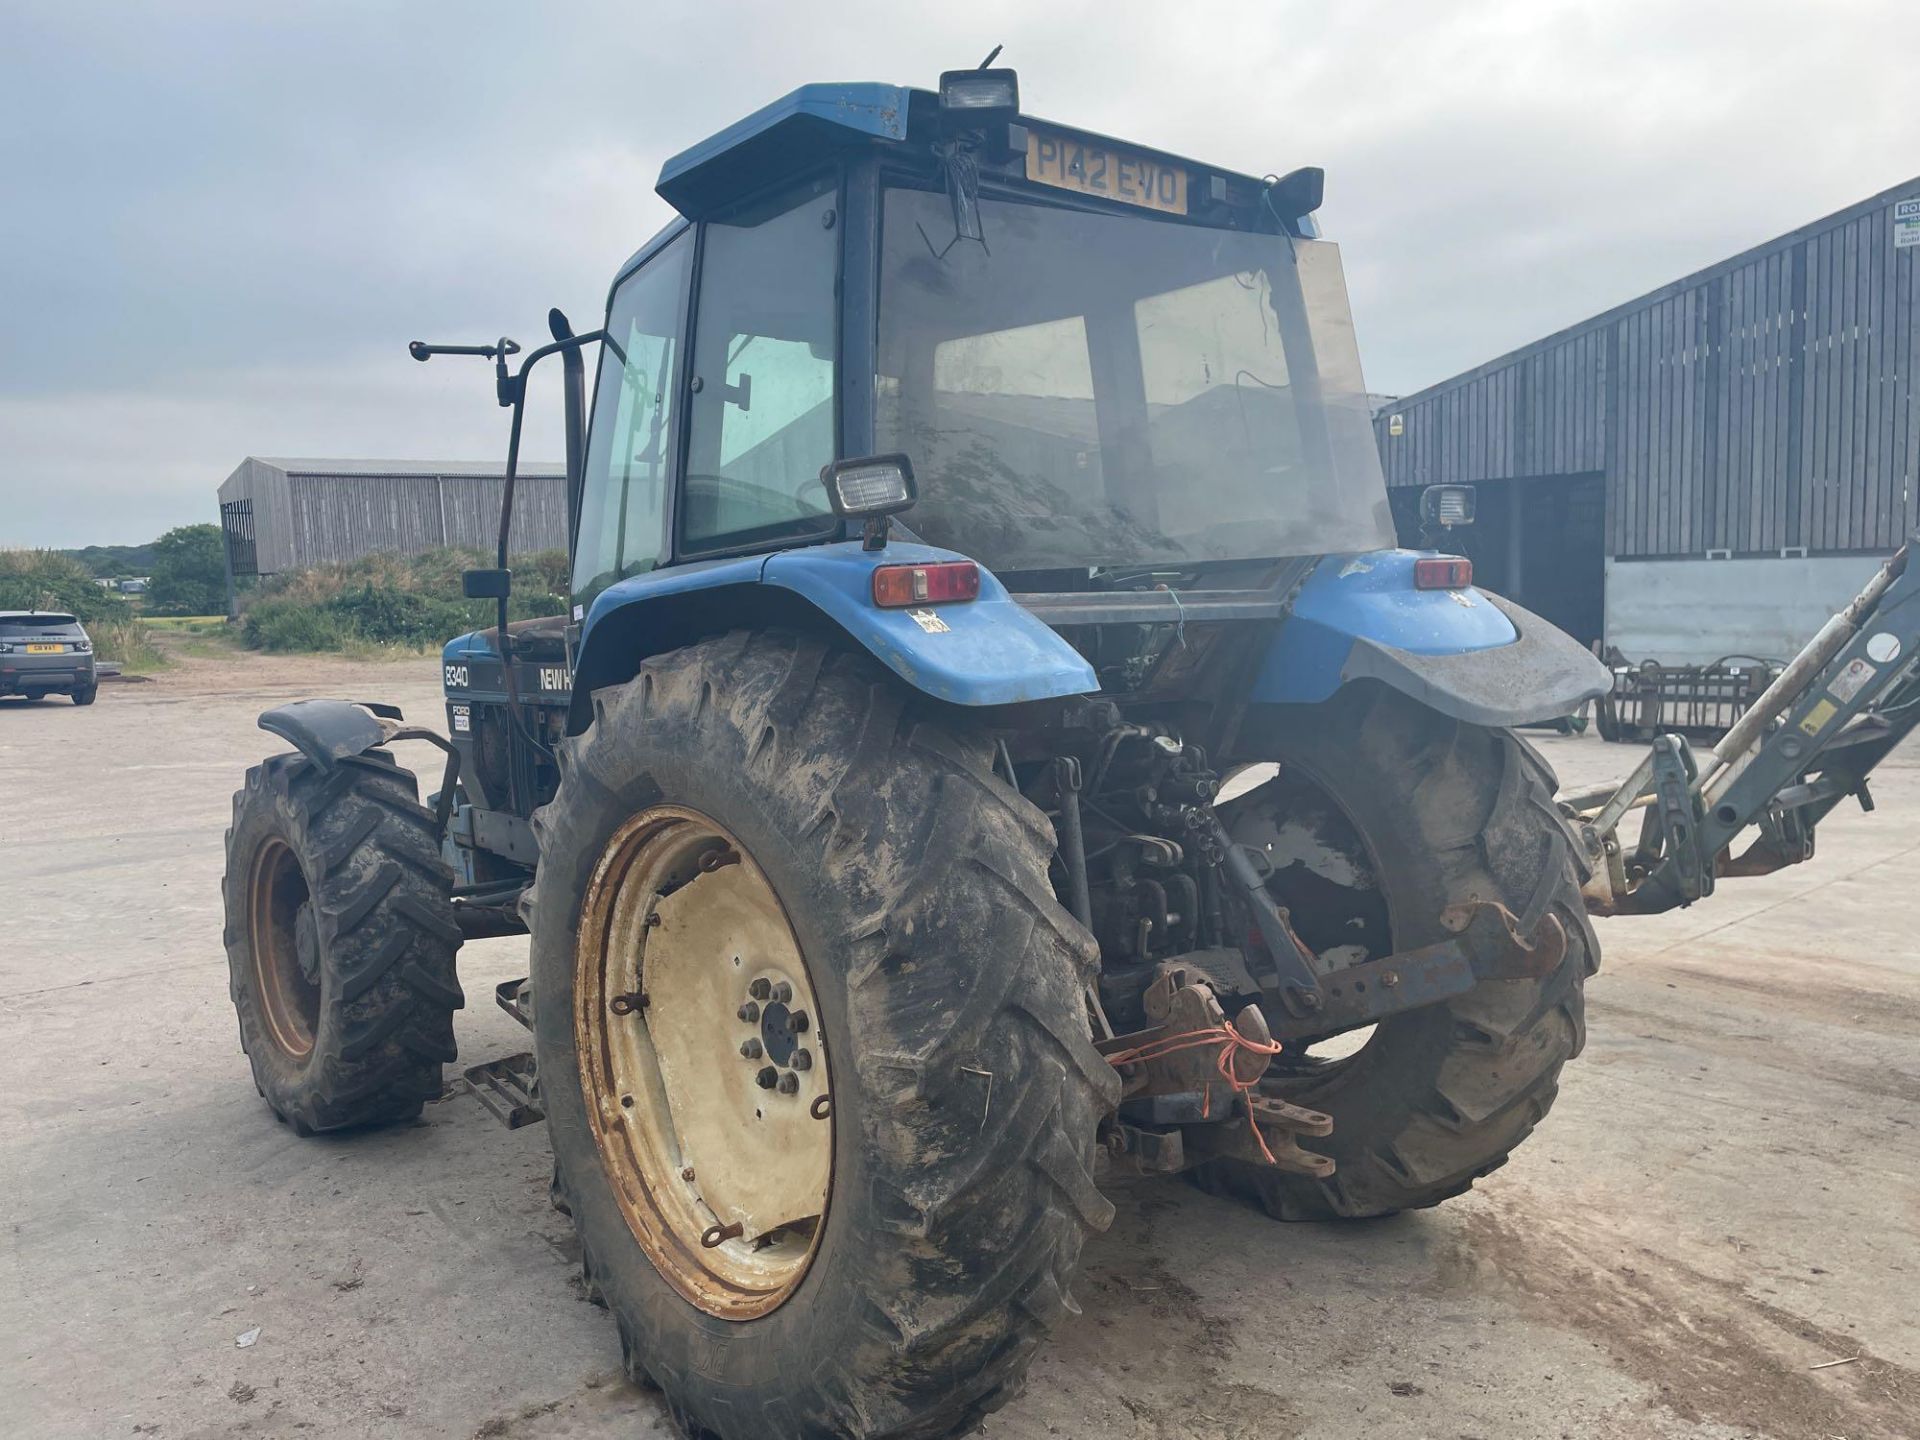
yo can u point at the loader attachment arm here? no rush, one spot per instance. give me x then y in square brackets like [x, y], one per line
[1808, 743]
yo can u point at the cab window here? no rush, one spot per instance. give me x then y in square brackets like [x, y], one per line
[762, 415]
[623, 505]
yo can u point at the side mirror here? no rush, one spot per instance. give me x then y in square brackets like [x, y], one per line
[487, 584]
[1446, 506]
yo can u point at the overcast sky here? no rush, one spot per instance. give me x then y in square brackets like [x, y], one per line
[220, 223]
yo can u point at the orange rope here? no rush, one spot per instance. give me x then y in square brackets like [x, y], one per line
[1230, 1041]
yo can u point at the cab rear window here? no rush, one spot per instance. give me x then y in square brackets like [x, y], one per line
[48, 624]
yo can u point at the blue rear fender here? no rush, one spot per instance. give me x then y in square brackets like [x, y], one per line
[1466, 653]
[987, 651]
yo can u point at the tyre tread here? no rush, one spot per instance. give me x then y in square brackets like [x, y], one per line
[383, 899]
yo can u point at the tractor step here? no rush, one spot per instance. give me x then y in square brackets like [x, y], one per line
[508, 1087]
[516, 998]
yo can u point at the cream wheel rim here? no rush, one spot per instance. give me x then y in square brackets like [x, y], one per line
[702, 1063]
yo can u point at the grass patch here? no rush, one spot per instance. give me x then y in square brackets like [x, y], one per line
[386, 603]
[129, 643]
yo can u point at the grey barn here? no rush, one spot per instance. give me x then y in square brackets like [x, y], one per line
[290, 514]
[1710, 469]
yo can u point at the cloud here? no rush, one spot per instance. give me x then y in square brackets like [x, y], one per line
[222, 221]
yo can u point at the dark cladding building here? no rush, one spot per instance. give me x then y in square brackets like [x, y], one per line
[290, 514]
[1713, 468]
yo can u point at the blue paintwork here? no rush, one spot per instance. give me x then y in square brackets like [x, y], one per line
[993, 652]
[1370, 597]
[856, 111]
[670, 231]
[468, 647]
[810, 125]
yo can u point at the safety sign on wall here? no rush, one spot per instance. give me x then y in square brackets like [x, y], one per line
[1906, 223]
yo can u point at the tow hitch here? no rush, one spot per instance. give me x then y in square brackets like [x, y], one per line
[1810, 741]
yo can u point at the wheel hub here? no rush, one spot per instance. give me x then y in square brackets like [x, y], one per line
[779, 1032]
[306, 943]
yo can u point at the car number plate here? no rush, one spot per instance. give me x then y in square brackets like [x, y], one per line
[1106, 171]
[45, 649]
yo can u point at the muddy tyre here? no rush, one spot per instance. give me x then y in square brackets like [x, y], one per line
[893, 884]
[341, 941]
[1413, 812]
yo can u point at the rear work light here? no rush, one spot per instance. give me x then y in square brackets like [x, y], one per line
[898, 585]
[1442, 572]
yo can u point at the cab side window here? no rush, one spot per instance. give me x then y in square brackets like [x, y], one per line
[630, 450]
[764, 344]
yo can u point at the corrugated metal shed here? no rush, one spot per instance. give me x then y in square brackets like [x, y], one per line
[1762, 404]
[287, 514]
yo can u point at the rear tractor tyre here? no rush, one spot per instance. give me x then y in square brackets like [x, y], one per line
[764, 847]
[341, 941]
[1384, 814]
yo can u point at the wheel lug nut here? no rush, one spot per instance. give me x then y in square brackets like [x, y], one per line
[760, 988]
[749, 1012]
[750, 1049]
[768, 1077]
[783, 992]
[803, 1059]
[789, 1083]
[797, 1022]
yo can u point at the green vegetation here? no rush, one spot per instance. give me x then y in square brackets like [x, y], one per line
[128, 642]
[408, 602]
[114, 562]
[189, 572]
[51, 580]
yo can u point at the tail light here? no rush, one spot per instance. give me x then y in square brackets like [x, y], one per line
[1442, 572]
[898, 585]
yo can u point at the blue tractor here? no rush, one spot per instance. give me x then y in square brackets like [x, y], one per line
[995, 747]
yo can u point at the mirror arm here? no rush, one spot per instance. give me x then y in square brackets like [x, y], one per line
[573, 386]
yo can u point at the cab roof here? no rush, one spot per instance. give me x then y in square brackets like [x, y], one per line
[808, 126]
[791, 133]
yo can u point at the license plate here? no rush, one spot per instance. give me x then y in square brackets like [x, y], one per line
[45, 649]
[1107, 171]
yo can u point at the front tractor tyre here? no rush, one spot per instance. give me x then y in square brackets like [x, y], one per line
[813, 1046]
[341, 941]
[1383, 816]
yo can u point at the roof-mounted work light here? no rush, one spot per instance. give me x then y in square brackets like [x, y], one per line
[979, 97]
[870, 489]
[1448, 506]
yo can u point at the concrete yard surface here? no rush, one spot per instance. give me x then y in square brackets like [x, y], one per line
[1725, 1197]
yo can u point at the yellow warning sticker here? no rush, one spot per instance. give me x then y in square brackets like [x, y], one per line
[1816, 719]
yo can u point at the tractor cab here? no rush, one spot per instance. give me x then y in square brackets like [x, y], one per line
[1100, 361]
[1093, 374]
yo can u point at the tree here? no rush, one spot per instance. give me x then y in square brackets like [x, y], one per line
[189, 572]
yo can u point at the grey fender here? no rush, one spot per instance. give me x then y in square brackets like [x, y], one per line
[1545, 673]
[329, 731]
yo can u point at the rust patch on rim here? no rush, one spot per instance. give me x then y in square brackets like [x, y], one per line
[283, 945]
